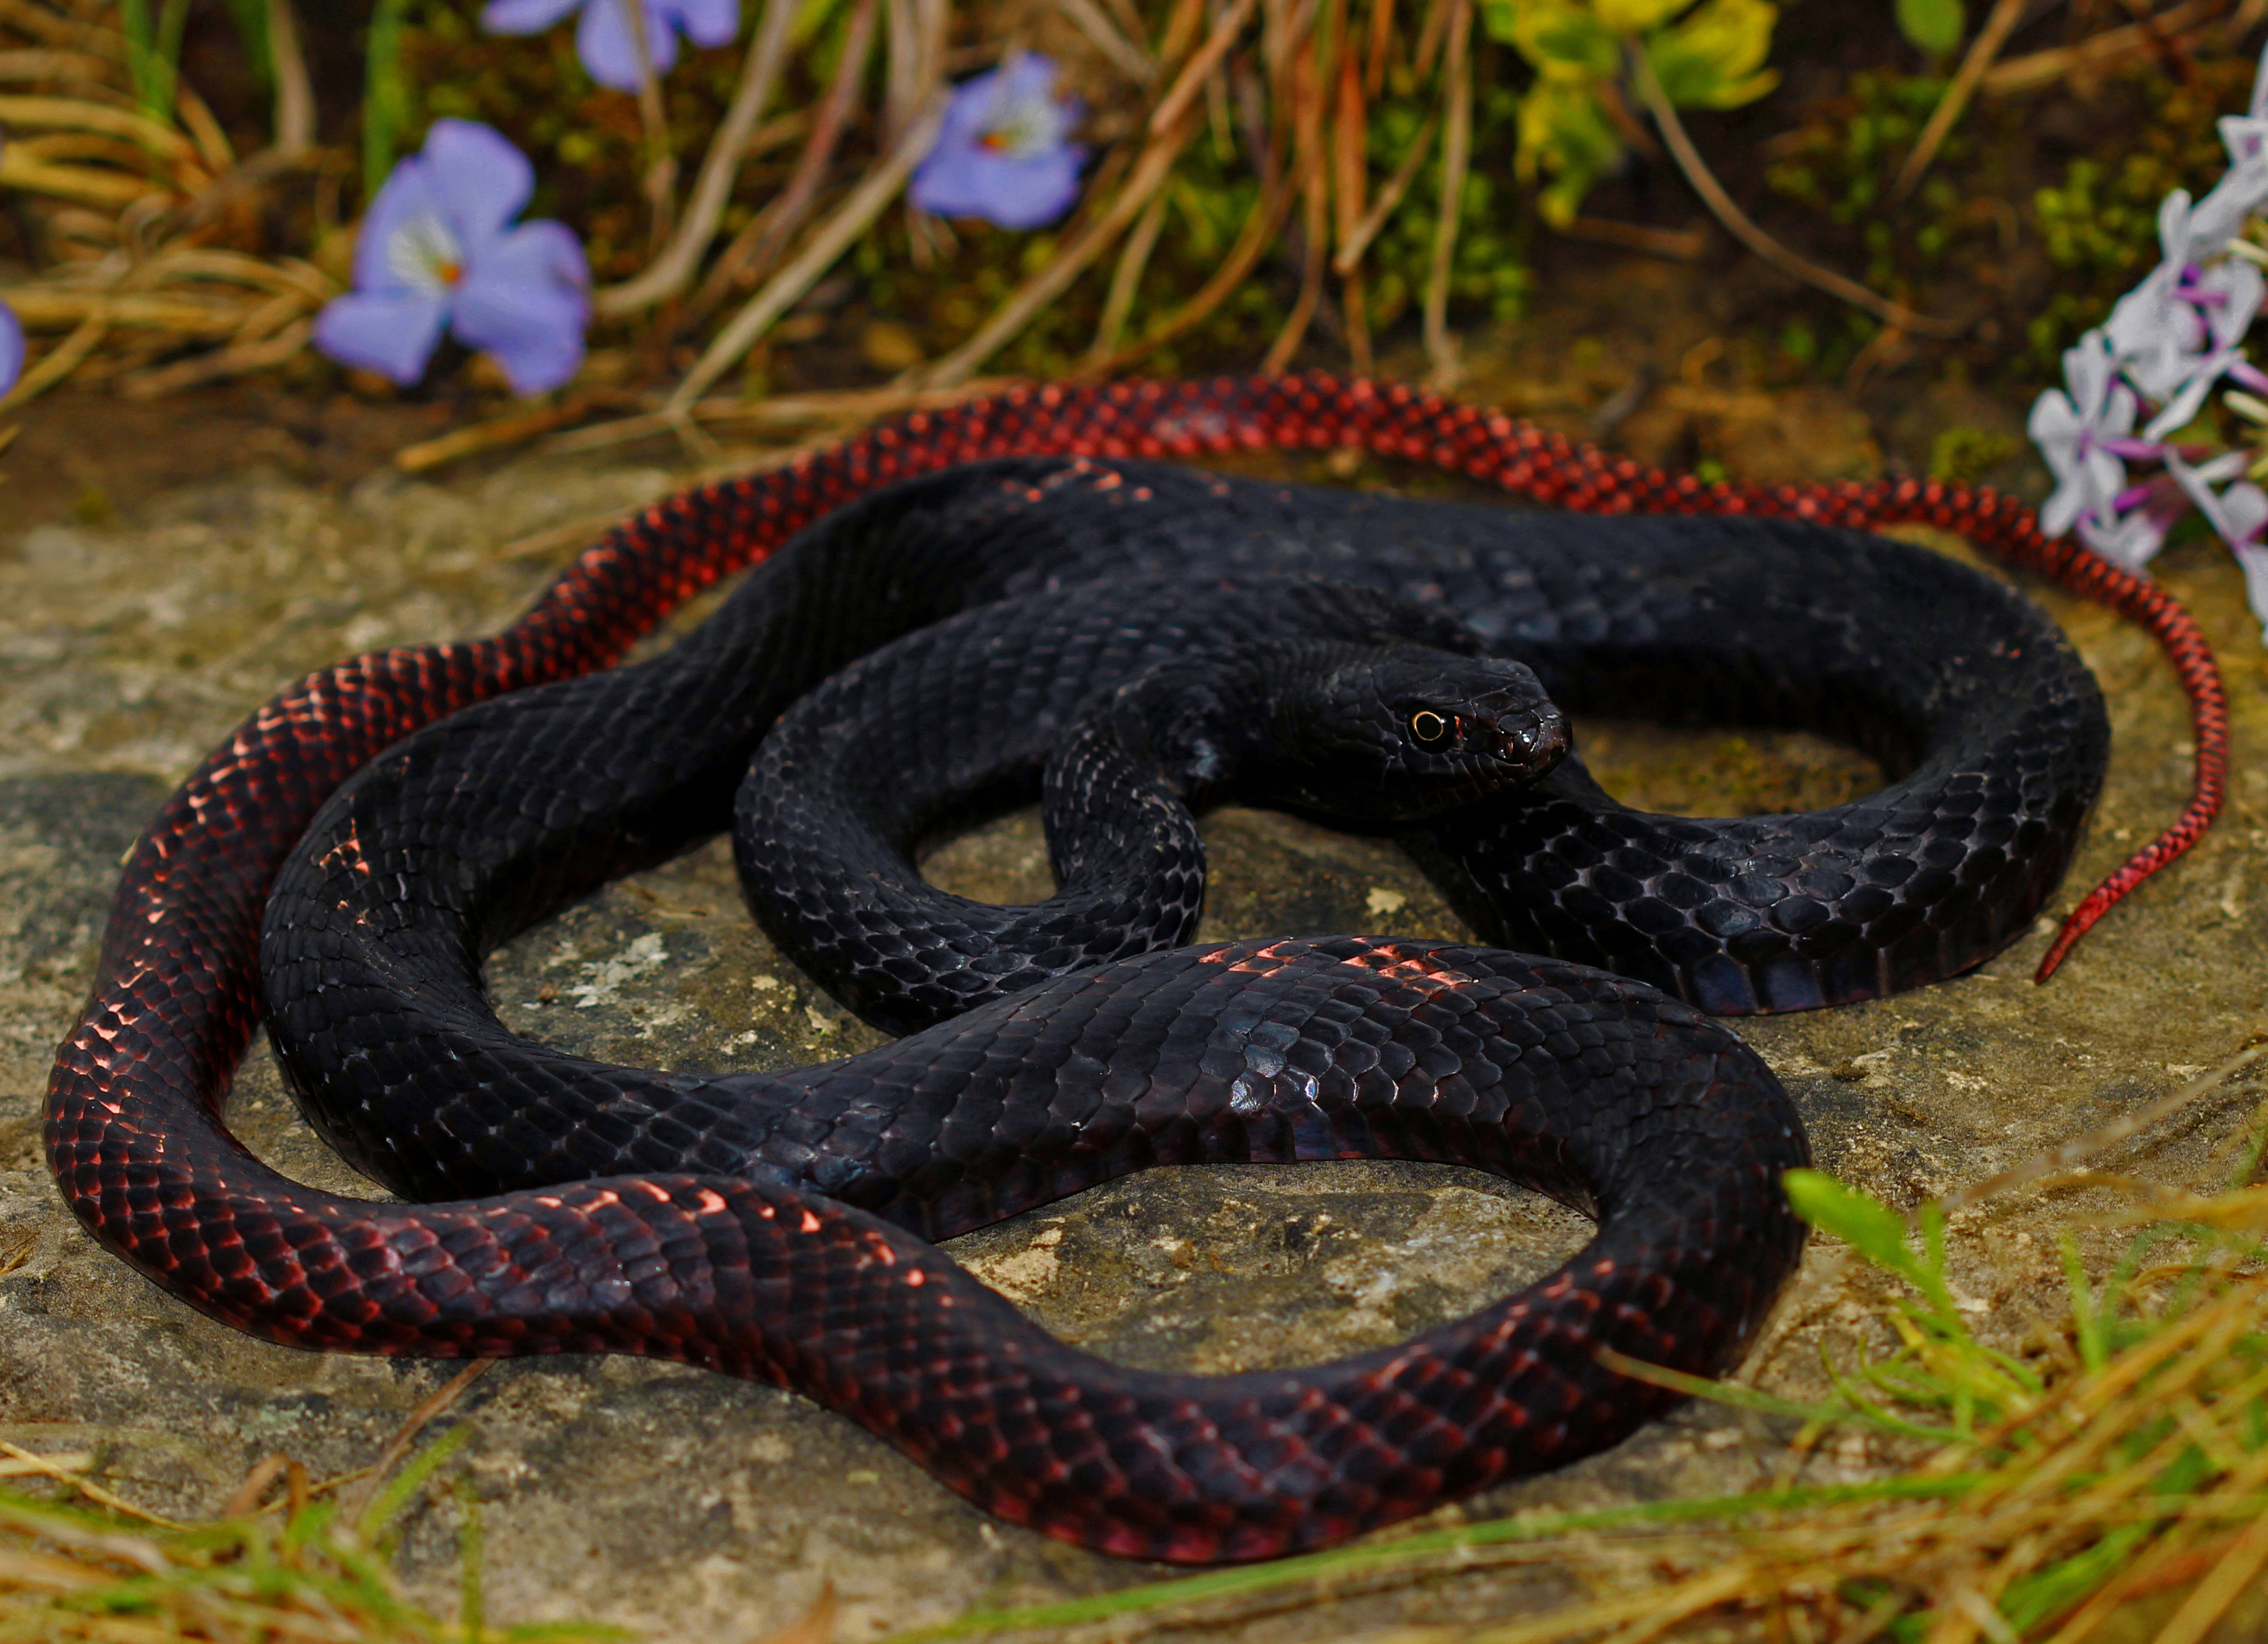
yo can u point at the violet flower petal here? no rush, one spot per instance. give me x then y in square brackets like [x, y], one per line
[527, 304]
[1002, 153]
[405, 199]
[604, 42]
[524, 16]
[12, 348]
[480, 180]
[391, 333]
[706, 22]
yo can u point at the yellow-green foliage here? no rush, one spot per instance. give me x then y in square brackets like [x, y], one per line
[1709, 55]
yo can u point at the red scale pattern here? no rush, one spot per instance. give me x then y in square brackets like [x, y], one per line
[134, 1138]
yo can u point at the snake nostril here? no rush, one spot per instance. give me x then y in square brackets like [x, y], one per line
[1539, 734]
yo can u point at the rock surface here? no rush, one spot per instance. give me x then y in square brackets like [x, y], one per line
[684, 1505]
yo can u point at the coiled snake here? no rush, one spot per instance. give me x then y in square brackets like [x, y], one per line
[1587, 1085]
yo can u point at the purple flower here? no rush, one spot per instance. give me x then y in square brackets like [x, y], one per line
[12, 348]
[2084, 434]
[434, 251]
[1003, 153]
[602, 36]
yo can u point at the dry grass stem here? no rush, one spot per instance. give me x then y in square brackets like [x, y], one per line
[2177, 24]
[1128, 58]
[832, 239]
[355, 1498]
[754, 248]
[1456, 156]
[2065, 1154]
[1126, 279]
[1738, 223]
[673, 269]
[1389, 198]
[1998, 26]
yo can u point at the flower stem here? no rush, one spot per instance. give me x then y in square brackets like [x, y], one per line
[1990, 39]
[1456, 157]
[660, 164]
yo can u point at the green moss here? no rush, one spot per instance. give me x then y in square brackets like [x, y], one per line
[2100, 225]
[1963, 454]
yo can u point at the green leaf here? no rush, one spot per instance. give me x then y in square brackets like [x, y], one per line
[1564, 136]
[251, 20]
[385, 95]
[1856, 1217]
[153, 52]
[1633, 17]
[1935, 26]
[391, 1500]
[1714, 57]
[1560, 39]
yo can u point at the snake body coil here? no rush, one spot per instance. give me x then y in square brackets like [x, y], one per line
[792, 1266]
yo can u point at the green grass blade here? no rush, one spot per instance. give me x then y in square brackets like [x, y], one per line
[384, 96]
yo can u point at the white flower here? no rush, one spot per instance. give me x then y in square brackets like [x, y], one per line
[2223, 299]
[2130, 540]
[2070, 429]
[2176, 332]
[2237, 514]
[2254, 559]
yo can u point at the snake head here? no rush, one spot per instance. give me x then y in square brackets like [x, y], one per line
[1400, 733]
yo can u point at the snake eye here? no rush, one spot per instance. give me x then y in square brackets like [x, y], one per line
[1428, 726]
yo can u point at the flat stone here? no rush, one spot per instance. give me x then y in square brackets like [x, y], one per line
[681, 1503]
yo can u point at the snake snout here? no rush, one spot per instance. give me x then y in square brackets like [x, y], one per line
[1534, 738]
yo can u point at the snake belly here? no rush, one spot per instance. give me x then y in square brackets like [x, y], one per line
[759, 1278]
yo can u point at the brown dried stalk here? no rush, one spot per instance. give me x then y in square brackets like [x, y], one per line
[1990, 39]
[759, 244]
[833, 238]
[1260, 232]
[661, 164]
[1389, 197]
[1457, 157]
[1349, 151]
[2100, 51]
[1721, 206]
[1126, 280]
[1090, 20]
[1193, 74]
[295, 89]
[672, 267]
[1307, 164]
[57, 363]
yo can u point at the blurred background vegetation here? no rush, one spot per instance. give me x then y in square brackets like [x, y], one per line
[1266, 186]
